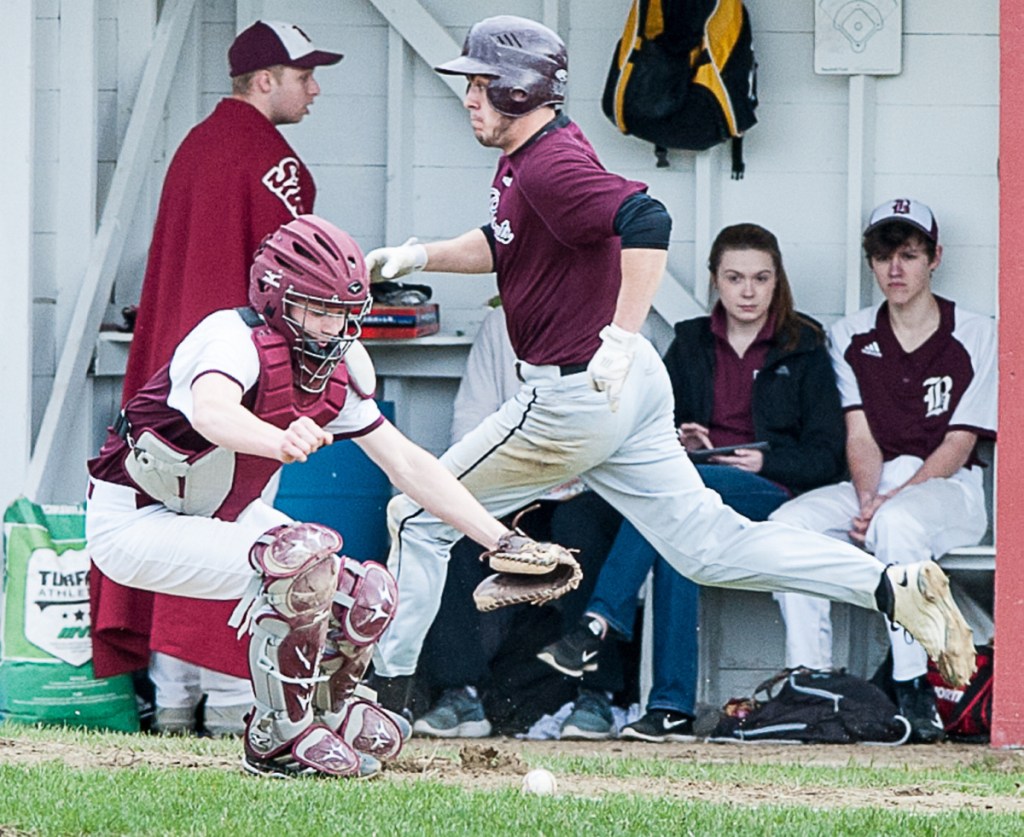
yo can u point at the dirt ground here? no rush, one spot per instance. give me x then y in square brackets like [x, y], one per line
[501, 763]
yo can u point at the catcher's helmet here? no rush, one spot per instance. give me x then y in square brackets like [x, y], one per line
[526, 62]
[309, 266]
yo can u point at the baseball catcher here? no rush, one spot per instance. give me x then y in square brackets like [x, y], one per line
[175, 499]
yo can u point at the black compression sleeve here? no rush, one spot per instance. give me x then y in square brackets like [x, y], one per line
[643, 223]
[488, 232]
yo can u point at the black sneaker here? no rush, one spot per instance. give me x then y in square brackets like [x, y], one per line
[394, 693]
[659, 726]
[916, 701]
[575, 652]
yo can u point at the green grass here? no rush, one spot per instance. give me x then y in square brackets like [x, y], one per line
[53, 798]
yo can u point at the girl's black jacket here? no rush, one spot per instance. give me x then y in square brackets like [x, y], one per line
[795, 403]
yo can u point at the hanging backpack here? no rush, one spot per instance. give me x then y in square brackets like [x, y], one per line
[683, 76]
[814, 707]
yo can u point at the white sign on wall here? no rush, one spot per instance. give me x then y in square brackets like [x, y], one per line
[858, 37]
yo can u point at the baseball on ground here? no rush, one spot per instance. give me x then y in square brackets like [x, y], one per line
[540, 782]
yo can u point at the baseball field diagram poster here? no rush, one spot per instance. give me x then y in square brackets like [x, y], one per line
[858, 37]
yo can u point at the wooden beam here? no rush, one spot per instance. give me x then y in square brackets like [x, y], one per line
[1008, 688]
[17, 139]
[424, 34]
[128, 181]
[707, 184]
[398, 195]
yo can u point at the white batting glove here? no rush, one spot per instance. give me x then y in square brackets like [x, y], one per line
[610, 364]
[391, 262]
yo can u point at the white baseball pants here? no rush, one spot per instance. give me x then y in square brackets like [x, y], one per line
[153, 548]
[557, 427]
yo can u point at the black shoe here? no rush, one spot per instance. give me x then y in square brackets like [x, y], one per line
[394, 693]
[659, 726]
[916, 701]
[575, 652]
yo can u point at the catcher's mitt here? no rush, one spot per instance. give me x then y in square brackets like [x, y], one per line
[526, 572]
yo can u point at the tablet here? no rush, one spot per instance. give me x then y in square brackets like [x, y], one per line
[702, 456]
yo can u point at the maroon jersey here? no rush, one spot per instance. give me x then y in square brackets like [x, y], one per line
[912, 399]
[553, 209]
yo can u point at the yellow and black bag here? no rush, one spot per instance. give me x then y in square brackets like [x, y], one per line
[684, 76]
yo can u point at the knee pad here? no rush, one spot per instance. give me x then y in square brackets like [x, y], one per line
[362, 608]
[299, 563]
[364, 603]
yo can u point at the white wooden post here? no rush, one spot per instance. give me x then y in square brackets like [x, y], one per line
[860, 173]
[17, 68]
[76, 151]
[136, 25]
[707, 182]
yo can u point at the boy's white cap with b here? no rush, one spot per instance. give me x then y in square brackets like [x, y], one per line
[907, 210]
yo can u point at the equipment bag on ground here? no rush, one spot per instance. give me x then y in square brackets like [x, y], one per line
[966, 712]
[684, 76]
[814, 707]
[46, 672]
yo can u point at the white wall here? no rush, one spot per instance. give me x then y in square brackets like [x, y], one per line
[934, 137]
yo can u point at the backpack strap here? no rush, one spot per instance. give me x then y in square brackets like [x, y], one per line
[738, 166]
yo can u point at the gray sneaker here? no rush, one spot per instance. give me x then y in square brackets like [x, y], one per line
[175, 720]
[924, 606]
[591, 718]
[458, 713]
[225, 721]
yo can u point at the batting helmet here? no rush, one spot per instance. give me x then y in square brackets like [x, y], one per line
[310, 267]
[526, 62]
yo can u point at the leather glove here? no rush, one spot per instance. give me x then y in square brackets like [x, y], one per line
[526, 571]
[610, 364]
[391, 262]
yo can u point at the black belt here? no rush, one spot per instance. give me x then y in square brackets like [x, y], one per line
[567, 369]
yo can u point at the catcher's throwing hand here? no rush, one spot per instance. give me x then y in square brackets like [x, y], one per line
[301, 438]
[526, 571]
